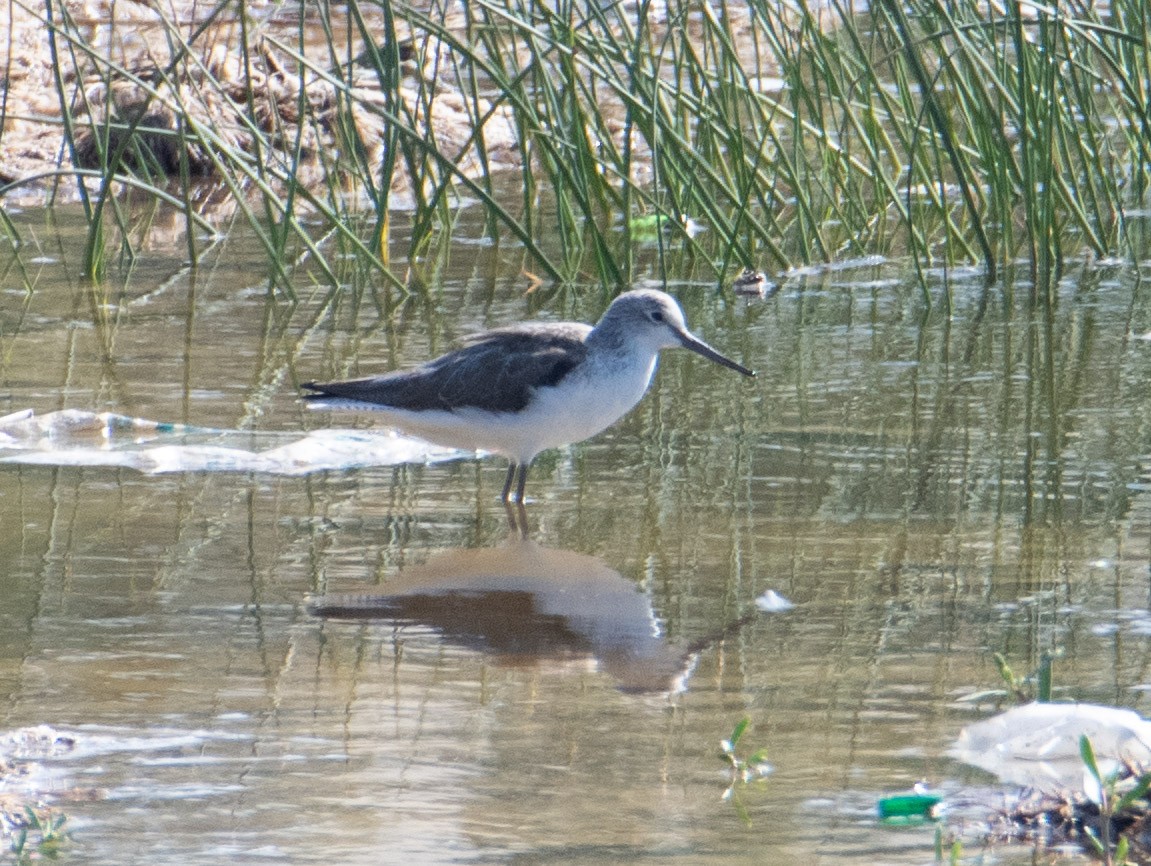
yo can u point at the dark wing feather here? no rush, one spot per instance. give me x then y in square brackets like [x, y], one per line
[497, 371]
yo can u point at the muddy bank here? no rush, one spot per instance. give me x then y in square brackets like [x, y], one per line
[166, 89]
[179, 90]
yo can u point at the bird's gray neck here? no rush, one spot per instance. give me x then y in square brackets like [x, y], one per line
[612, 341]
[614, 356]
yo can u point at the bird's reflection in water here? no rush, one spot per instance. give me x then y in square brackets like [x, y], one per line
[521, 601]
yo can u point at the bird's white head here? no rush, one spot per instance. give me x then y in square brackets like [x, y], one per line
[651, 320]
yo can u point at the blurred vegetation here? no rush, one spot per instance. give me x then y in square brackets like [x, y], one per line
[948, 132]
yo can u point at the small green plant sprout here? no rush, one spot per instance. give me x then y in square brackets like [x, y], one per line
[743, 770]
[1016, 685]
[951, 854]
[1023, 689]
[1114, 793]
[1035, 686]
[42, 836]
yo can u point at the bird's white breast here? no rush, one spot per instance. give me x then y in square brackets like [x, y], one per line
[592, 397]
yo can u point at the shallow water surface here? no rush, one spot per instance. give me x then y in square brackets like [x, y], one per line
[370, 664]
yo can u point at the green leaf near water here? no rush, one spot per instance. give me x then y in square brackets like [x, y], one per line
[1087, 753]
[738, 730]
[1135, 794]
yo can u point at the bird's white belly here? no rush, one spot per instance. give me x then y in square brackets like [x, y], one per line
[580, 407]
[584, 403]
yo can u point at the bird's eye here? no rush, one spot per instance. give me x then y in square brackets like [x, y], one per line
[656, 316]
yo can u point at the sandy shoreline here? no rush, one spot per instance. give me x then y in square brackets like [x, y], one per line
[123, 61]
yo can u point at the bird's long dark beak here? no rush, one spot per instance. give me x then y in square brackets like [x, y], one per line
[690, 341]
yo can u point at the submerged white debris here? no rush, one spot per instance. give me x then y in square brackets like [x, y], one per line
[73, 437]
[1037, 745]
[772, 602]
[39, 741]
[27, 429]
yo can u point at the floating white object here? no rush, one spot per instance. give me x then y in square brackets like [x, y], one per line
[72, 437]
[772, 602]
[1037, 745]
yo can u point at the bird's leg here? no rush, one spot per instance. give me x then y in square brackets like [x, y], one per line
[523, 483]
[517, 520]
[512, 467]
